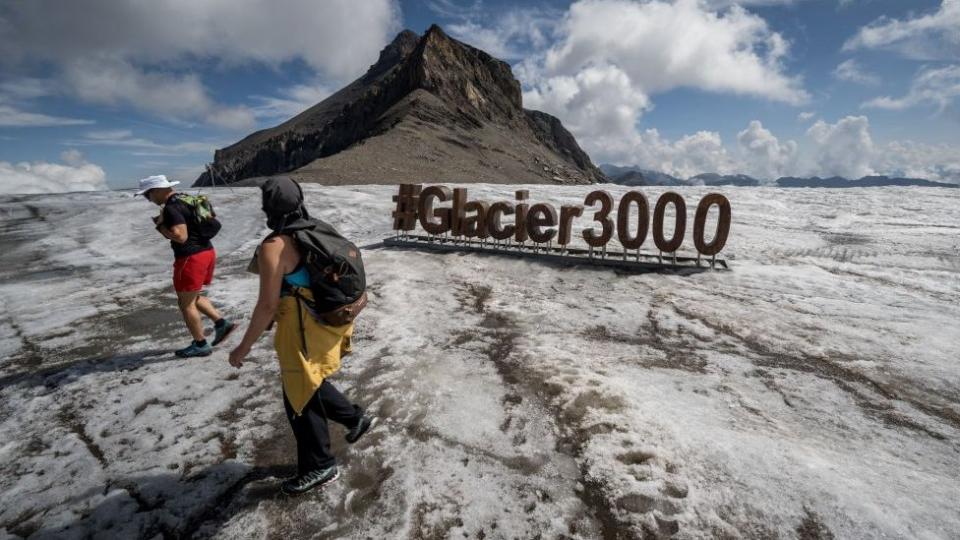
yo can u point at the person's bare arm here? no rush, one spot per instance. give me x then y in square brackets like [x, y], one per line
[271, 276]
[177, 233]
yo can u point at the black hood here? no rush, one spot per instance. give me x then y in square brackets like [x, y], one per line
[283, 204]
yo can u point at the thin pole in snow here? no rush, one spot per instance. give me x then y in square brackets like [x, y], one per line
[213, 178]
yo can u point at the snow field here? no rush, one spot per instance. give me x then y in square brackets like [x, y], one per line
[812, 389]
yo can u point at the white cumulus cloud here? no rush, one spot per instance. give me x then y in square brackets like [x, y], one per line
[842, 149]
[336, 37]
[665, 45]
[133, 53]
[719, 4]
[610, 56]
[113, 81]
[74, 174]
[687, 156]
[851, 71]
[597, 103]
[764, 156]
[509, 36]
[13, 114]
[139, 146]
[932, 86]
[845, 148]
[930, 36]
[290, 101]
[915, 160]
[14, 117]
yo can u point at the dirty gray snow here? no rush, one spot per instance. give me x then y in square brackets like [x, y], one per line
[811, 392]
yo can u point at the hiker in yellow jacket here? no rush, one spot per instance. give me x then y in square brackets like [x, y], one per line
[309, 351]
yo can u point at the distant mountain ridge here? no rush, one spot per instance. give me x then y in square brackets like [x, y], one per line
[639, 177]
[430, 109]
[714, 179]
[636, 176]
[866, 181]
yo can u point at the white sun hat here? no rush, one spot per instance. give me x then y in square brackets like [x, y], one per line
[154, 182]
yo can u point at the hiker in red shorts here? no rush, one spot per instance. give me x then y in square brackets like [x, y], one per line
[189, 223]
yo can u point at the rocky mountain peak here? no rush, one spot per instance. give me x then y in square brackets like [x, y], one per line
[393, 54]
[431, 108]
[464, 75]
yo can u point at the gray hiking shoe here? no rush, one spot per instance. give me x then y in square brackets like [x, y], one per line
[306, 482]
[365, 424]
[220, 333]
[193, 350]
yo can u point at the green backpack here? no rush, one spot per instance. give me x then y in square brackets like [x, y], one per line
[207, 225]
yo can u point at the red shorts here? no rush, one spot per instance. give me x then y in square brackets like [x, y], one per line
[192, 272]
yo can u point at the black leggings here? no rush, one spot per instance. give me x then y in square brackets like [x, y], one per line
[310, 428]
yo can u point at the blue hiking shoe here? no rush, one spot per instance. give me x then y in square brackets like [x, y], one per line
[193, 350]
[221, 332]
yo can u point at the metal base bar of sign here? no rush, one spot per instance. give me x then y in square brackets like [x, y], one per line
[565, 255]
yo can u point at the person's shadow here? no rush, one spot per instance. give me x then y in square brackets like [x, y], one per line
[165, 505]
[64, 373]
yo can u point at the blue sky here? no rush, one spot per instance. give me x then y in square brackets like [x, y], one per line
[116, 90]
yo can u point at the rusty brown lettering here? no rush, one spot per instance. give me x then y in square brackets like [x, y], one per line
[603, 216]
[541, 215]
[623, 220]
[680, 226]
[404, 216]
[540, 222]
[427, 212]
[497, 230]
[458, 211]
[567, 213]
[474, 221]
[723, 224]
[520, 228]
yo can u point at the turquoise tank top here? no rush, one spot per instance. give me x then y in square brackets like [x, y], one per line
[298, 278]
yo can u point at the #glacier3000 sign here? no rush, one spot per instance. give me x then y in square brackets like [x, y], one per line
[538, 228]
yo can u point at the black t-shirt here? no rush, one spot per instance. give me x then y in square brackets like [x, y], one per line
[175, 212]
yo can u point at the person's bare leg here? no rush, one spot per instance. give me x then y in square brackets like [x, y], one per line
[206, 307]
[191, 315]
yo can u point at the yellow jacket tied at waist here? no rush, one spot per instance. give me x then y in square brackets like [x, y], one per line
[309, 351]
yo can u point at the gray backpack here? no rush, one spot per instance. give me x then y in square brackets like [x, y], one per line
[337, 279]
